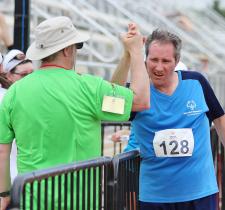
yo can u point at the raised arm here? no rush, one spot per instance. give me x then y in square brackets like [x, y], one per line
[139, 77]
[121, 73]
[133, 58]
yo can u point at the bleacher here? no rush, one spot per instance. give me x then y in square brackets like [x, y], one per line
[203, 34]
[104, 20]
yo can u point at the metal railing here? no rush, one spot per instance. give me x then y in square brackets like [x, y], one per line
[91, 185]
[113, 127]
[72, 186]
[126, 177]
[102, 183]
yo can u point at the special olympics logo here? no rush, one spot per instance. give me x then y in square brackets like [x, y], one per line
[191, 105]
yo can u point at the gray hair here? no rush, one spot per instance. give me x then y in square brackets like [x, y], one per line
[164, 36]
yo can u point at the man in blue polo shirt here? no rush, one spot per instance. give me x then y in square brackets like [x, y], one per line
[177, 169]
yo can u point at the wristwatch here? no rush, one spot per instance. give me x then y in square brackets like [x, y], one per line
[4, 194]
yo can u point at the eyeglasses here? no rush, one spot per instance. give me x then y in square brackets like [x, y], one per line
[79, 45]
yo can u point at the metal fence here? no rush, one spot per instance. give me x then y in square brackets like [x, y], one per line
[73, 186]
[102, 183]
[88, 185]
[126, 178]
[217, 151]
[113, 127]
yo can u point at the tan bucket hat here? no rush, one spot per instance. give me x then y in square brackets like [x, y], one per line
[52, 35]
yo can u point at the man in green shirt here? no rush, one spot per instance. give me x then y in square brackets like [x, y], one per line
[54, 113]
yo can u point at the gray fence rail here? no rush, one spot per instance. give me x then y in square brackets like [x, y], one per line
[88, 185]
[102, 183]
[114, 126]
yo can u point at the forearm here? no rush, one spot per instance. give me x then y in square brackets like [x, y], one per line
[4, 32]
[139, 82]
[5, 182]
[121, 73]
[220, 128]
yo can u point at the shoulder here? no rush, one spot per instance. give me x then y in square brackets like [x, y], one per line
[89, 79]
[89, 83]
[192, 75]
[196, 76]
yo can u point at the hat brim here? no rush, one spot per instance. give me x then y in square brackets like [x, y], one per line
[34, 53]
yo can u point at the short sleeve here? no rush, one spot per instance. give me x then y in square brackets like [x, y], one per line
[215, 109]
[6, 132]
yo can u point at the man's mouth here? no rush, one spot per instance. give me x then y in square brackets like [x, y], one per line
[158, 74]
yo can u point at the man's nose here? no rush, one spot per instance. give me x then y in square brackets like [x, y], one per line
[159, 66]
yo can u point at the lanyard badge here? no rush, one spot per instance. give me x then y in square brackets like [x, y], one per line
[113, 103]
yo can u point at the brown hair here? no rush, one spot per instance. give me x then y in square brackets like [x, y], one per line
[5, 83]
[164, 36]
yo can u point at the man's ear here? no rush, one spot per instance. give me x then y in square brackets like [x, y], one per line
[67, 51]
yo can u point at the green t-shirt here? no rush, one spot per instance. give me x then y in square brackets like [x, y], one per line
[55, 116]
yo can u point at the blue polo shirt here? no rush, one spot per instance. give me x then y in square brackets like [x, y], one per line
[193, 105]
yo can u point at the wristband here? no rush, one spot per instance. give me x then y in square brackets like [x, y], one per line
[4, 194]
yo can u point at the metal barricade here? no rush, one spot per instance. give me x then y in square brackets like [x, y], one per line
[126, 179]
[77, 186]
[112, 127]
[102, 183]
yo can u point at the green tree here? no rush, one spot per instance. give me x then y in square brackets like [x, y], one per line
[217, 8]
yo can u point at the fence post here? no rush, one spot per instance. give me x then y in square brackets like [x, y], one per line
[126, 180]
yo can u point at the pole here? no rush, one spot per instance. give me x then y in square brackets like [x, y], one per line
[21, 24]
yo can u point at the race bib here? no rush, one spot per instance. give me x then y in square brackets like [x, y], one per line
[174, 143]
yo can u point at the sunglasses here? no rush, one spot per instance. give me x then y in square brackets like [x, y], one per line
[79, 45]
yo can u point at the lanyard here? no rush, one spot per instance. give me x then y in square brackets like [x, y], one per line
[53, 65]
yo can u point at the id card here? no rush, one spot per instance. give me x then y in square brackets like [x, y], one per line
[113, 104]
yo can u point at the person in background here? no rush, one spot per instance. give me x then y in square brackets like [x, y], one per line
[177, 170]
[2, 90]
[13, 67]
[16, 66]
[64, 108]
[181, 66]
